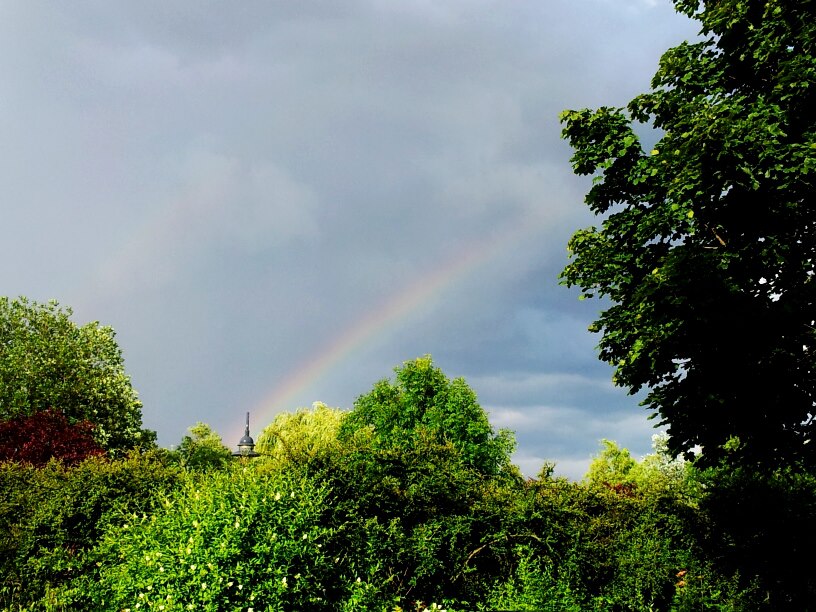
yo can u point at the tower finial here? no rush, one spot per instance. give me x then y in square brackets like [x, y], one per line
[246, 446]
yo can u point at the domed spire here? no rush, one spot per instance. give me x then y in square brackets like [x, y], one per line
[246, 445]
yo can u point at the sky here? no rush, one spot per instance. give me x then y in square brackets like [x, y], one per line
[275, 203]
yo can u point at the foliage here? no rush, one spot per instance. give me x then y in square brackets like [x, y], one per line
[661, 473]
[613, 466]
[656, 474]
[363, 521]
[47, 435]
[599, 548]
[304, 436]
[203, 449]
[50, 517]
[534, 585]
[706, 248]
[423, 402]
[48, 362]
[410, 522]
[419, 486]
[235, 539]
[762, 528]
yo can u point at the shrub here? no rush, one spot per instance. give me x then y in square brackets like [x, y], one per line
[51, 517]
[46, 435]
[239, 538]
[202, 449]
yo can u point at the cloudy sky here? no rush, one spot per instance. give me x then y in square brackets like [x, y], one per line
[275, 203]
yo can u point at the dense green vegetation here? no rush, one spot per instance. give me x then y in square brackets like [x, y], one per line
[340, 513]
[410, 500]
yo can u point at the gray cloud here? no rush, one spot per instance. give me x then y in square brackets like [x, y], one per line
[237, 188]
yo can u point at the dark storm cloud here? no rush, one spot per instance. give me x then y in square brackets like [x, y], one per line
[233, 186]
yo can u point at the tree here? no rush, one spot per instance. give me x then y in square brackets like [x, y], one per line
[657, 474]
[48, 362]
[613, 466]
[424, 403]
[707, 245]
[203, 449]
[302, 436]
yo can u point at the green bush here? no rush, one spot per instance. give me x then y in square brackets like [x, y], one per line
[51, 517]
[234, 539]
[595, 548]
[202, 449]
[412, 521]
[534, 585]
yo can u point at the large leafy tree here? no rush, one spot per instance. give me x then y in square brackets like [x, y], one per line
[707, 243]
[425, 404]
[48, 362]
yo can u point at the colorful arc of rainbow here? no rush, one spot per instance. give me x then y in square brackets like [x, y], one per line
[392, 311]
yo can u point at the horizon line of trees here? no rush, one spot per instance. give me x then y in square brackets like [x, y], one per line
[385, 507]
[705, 252]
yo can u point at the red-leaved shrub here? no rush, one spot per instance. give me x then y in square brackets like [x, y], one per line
[45, 435]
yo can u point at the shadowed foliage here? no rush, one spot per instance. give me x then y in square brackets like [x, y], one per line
[707, 243]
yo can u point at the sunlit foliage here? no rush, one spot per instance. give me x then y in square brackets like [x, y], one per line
[236, 539]
[300, 437]
[423, 403]
[203, 449]
[48, 362]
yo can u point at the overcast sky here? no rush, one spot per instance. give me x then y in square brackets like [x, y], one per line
[275, 203]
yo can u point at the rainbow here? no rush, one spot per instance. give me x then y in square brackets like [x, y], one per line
[427, 287]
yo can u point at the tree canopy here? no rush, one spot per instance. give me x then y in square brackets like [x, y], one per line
[48, 362]
[707, 242]
[302, 436]
[658, 473]
[203, 449]
[423, 402]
